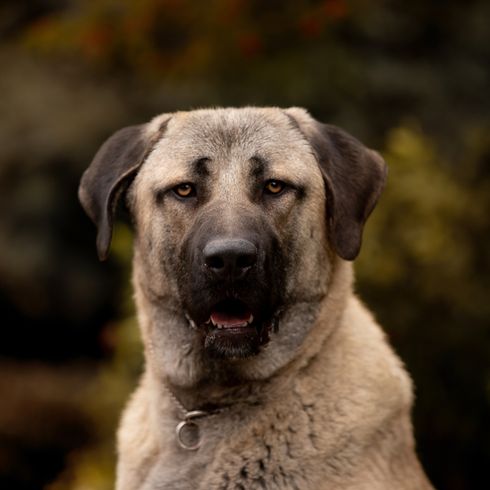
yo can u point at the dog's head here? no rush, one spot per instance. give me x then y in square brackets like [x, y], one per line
[239, 215]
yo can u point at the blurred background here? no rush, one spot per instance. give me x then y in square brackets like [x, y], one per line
[410, 79]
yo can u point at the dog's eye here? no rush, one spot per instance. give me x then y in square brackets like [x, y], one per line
[274, 187]
[184, 190]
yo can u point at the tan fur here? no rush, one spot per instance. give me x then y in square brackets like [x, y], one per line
[326, 403]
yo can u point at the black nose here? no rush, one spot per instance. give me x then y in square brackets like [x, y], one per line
[230, 257]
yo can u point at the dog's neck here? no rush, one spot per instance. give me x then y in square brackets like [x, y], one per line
[213, 398]
[175, 363]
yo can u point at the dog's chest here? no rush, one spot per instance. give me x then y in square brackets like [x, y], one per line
[235, 456]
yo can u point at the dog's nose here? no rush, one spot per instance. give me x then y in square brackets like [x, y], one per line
[230, 257]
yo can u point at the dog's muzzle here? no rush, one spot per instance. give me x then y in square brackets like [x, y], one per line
[232, 285]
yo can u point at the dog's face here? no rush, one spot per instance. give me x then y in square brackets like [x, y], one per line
[239, 215]
[221, 206]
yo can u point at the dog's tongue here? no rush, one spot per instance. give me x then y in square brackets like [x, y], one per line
[230, 320]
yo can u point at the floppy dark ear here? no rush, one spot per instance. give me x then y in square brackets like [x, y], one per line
[354, 178]
[110, 173]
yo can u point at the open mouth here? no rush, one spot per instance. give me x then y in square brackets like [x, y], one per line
[233, 330]
[231, 314]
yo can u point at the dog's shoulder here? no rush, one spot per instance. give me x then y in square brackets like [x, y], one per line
[138, 445]
[362, 363]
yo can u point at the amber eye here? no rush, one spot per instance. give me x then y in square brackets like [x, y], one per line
[185, 190]
[274, 186]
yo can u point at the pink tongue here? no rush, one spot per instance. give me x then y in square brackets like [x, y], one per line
[228, 320]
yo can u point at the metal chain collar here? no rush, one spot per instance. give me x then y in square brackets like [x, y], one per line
[188, 431]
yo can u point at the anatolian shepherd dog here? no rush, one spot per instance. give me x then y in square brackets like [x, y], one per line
[263, 369]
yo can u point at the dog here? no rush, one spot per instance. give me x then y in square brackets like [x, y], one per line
[263, 369]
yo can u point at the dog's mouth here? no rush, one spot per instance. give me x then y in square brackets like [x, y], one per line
[234, 330]
[231, 315]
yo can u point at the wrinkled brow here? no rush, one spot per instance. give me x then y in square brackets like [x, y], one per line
[258, 166]
[200, 166]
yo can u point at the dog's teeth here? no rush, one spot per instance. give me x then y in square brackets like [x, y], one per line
[212, 321]
[250, 320]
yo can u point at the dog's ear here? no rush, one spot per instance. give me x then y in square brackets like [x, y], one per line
[110, 173]
[354, 178]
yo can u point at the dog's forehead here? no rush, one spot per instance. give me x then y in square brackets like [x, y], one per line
[230, 137]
